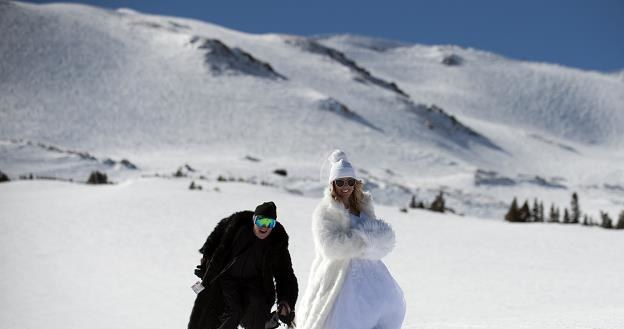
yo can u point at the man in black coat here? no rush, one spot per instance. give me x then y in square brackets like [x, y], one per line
[245, 269]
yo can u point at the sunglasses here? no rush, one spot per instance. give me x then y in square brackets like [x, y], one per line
[341, 182]
[264, 221]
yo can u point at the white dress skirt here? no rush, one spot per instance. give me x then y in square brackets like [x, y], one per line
[369, 298]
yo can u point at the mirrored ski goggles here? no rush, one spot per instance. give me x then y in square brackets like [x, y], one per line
[261, 221]
[341, 181]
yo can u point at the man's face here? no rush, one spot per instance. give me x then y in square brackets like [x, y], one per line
[262, 233]
[263, 227]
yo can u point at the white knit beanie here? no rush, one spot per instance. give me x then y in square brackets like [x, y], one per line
[340, 166]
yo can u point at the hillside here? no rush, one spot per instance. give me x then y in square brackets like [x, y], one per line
[164, 91]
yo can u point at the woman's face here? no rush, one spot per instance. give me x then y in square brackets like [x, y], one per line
[344, 191]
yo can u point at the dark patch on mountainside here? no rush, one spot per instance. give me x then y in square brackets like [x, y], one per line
[72, 153]
[334, 106]
[171, 27]
[364, 42]
[492, 178]
[551, 142]
[362, 75]
[179, 26]
[435, 118]
[452, 60]
[223, 60]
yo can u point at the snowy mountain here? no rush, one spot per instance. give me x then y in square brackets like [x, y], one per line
[160, 92]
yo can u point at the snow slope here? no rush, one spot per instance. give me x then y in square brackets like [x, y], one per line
[163, 91]
[122, 256]
[567, 103]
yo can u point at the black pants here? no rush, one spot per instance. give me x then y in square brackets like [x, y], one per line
[243, 298]
[205, 313]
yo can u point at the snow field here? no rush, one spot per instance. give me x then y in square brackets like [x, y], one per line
[124, 255]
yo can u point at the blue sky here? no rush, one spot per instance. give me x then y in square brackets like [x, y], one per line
[585, 34]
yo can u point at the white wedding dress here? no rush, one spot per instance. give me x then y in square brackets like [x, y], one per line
[369, 298]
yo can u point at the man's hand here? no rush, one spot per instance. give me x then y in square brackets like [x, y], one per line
[283, 308]
[285, 313]
[200, 270]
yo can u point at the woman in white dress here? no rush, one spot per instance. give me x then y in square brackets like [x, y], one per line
[349, 287]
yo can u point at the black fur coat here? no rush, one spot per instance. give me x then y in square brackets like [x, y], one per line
[278, 278]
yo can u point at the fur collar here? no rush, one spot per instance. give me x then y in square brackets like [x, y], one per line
[336, 207]
[336, 239]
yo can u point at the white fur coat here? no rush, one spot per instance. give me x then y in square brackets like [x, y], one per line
[336, 244]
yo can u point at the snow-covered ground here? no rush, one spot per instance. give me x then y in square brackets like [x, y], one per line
[122, 256]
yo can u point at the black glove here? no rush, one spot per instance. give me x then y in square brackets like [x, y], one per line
[200, 270]
[289, 317]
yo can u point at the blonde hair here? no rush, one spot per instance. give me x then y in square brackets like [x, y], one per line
[355, 199]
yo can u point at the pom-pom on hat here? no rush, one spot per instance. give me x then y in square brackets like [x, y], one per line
[266, 209]
[340, 166]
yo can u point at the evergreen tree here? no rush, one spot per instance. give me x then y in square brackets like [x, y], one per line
[540, 217]
[534, 211]
[606, 220]
[575, 211]
[525, 213]
[620, 222]
[413, 203]
[4, 177]
[552, 217]
[557, 215]
[586, 220]
[566, 216]
[97, 177]
[438, 204]
[513, 212]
